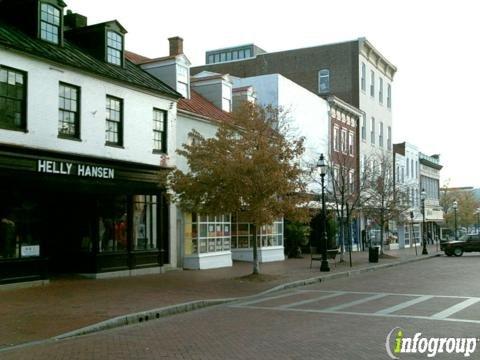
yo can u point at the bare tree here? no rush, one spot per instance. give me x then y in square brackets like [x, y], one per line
[387, 201]
[348, 191]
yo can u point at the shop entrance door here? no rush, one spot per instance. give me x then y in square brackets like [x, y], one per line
[69, 233]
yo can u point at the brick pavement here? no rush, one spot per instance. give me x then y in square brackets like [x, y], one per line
[227, 332]
[70, 303]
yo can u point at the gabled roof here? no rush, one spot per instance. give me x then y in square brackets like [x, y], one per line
[198, 105]
[73, 56]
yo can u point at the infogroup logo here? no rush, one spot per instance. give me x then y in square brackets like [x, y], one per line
[397, 343]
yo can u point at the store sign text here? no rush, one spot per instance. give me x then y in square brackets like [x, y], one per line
[66, 168]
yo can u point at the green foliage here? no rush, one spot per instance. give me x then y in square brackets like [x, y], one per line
[296, 236]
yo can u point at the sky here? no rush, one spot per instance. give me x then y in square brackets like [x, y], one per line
[434, 44]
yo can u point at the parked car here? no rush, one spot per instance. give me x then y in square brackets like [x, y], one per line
[466, 243]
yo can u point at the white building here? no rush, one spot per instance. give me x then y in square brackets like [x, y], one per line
[407, 179]
[85, 136]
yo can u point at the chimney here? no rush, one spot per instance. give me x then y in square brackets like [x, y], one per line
[74, 21]
[176, 45]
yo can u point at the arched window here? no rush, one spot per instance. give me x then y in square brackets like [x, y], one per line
[324, 81]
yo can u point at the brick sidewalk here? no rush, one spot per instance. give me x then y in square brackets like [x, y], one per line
[67, 304]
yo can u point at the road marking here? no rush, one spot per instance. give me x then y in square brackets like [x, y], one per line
[400, 294]
[303, 302]
[353, 303]
[265, 299]
[404, 305]
[400, 316]
[455, 308]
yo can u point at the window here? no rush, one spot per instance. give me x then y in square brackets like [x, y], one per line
[144, 222]
[226, 98]
[344, 141]
[380, 90]
[210, 59]
[389, 96]
[207, 234]
[364, 128]
[389, 138]
[323, 81]
[372, 83]
[113, 224]
[114, 48]
[350, 143]
[235, 55]
[372, 132]
[114, 121]
[69, 111]
[248, 53]
[351, 180]
[380, 135]
[243, 233]
[229, 56]
[13, 99]
[408, 167]
[49, 23]
[217, 58]
[222, 57]
[363, 76]
[336, 139]
[160, 130]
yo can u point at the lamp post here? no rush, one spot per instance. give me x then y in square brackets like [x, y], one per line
[423, 196]
[455, 207]
[477, 212]
[323, 170]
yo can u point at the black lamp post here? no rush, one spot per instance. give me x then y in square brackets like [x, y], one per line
[477, 212]
[455, 207]
[423, 196]
[323, 170]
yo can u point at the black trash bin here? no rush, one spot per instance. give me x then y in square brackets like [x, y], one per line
[373, 254]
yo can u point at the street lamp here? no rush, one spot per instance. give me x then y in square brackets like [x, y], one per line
[423, 196]
[455, 207]
[323, 170]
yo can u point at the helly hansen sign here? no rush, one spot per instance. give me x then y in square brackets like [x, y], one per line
[68, 168]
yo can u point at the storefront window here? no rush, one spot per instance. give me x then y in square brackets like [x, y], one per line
[412, 231]
[144, 222]
[112, 224]
[243, 234]
[19, 230]
[207, 234]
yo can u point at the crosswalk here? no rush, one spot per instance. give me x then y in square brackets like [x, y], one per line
[377, 304]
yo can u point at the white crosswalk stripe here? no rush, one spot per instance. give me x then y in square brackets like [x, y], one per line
[343, 307]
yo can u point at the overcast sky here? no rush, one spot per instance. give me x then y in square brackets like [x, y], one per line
[434, 44]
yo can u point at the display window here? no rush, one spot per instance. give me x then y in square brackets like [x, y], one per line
[207, 234]
[243, 234]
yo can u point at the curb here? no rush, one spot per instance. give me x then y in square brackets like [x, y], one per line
[145, 316]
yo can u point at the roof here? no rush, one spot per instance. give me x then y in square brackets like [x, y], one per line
[75, 57]
[197, 104]
[135, 58]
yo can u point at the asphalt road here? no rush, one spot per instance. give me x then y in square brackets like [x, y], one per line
[341, 319]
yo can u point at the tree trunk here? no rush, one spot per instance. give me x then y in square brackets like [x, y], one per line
[256, 264]
[349, 238]
[342, 238]
[382, 231]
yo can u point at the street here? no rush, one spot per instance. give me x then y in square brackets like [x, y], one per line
[340, 319]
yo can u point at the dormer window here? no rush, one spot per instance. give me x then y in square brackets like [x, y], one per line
[114, 48]
[50, 23]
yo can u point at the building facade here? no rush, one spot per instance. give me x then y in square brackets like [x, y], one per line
[407, 180]
[84, 140]
[430, 168]
[353, 71]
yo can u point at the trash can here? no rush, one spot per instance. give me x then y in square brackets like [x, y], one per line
[373, 254]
